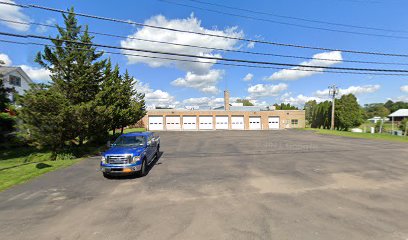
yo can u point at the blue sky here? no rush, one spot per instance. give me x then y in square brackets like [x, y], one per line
[166, 83]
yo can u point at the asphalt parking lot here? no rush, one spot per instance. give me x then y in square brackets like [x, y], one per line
[225, 185]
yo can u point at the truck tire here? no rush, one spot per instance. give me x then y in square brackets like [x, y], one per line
[106, 175]
[143, 169]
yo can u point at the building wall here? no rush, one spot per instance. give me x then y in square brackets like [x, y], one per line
[19, 89]
[285, 116]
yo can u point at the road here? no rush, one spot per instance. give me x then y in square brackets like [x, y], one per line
[225, 185]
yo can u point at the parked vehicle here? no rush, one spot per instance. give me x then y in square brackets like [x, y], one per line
[131, 153]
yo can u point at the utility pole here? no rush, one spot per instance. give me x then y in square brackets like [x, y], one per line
[333, 91]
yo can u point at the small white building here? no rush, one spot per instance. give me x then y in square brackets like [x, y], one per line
[378, 119]
[15, 77]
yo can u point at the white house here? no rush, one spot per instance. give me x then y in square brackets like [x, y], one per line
[15, 77]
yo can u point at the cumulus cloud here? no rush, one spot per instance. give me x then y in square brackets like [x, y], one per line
[299, 100]
[155, 97]
[5, 59]
[404, 88]
[248, 77]
[43, 29]
[37, 74]
[13, 13]
[190, 24]
[356, 90]
[205, 83]
[330, 58]
[266, 90]
[251, 45]
[207, 101]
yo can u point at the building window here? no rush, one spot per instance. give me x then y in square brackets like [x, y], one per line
[294, 122]
[15, 81]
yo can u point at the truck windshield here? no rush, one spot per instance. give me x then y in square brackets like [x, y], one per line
[129, 141]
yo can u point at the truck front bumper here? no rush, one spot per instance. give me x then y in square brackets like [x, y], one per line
[120, 169]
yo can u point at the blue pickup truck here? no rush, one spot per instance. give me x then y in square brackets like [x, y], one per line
[131, 153]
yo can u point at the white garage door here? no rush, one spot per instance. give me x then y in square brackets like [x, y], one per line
[237, 122]
[155, 123]
[221, 122]
[255, 123]
[173, 123]
[206, 122]
[273, 122]
[190, 123]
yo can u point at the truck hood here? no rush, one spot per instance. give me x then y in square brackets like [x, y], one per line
[135, 151]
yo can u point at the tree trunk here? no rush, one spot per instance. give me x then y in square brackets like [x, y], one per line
[121, 130]
[114, 131]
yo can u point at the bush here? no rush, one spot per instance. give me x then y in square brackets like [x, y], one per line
[64, 156]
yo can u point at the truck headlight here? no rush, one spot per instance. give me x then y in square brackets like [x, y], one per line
[103, 159]
[135, 159]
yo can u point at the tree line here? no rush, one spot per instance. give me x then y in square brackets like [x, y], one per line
[348, 113]
[86, 97]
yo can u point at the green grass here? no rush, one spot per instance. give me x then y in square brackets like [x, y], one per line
[375, 136]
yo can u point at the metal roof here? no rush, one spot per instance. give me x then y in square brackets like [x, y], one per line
[399, 113]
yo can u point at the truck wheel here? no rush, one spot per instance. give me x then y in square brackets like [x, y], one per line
[158, 149]
[142, 172]
[106, 175]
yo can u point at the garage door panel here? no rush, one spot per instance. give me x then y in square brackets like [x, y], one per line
[156, 123]
[173, 123]
[255, 123]
[237, 122]
[190, 123]
[206, 122]
[273, 122]
[221, 122]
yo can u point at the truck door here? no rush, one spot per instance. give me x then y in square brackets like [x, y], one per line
[150, 147]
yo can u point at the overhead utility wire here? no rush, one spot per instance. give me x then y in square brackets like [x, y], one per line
[209, 34]
[206, 57]
[217, 63]
[300, 19]
[210, 48]
[286, 23]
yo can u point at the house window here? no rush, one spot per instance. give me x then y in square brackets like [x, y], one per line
[294, 122]
[15, 81]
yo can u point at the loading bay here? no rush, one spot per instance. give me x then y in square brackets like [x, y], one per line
[287, 184]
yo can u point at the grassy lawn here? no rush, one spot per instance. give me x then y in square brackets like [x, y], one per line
[375, 136]
[19, 165]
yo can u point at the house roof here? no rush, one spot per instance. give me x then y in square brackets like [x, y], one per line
[399, 113]
[243, 108]
[5, 70]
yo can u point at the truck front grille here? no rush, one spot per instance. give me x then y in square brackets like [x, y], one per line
[119, 159]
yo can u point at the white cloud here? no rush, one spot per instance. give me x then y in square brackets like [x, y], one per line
[189, 24]
[299, 100]
[6, 59]
[37, 74]
[248, 77]
[43, 29]
[296, 73]
[207, 101]
[205, 83]
[356, 90]
[266, 90]
[155, 97]
[404, 88]
[13, 13]
[251, 45]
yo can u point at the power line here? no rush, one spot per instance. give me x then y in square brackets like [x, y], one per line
[209, 48]
[208, 57]
[209, 34]
[285, 23]
[300, 19]
[216, 63]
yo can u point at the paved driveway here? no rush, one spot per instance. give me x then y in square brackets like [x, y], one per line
[225, 185]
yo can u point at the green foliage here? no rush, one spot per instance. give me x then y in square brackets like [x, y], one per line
[285, 106]
[64, 156]
[376, 110]
[309, 108]
[245, 102]
[85, 99]
[403, 125]
[348, 113]
[394, 106]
